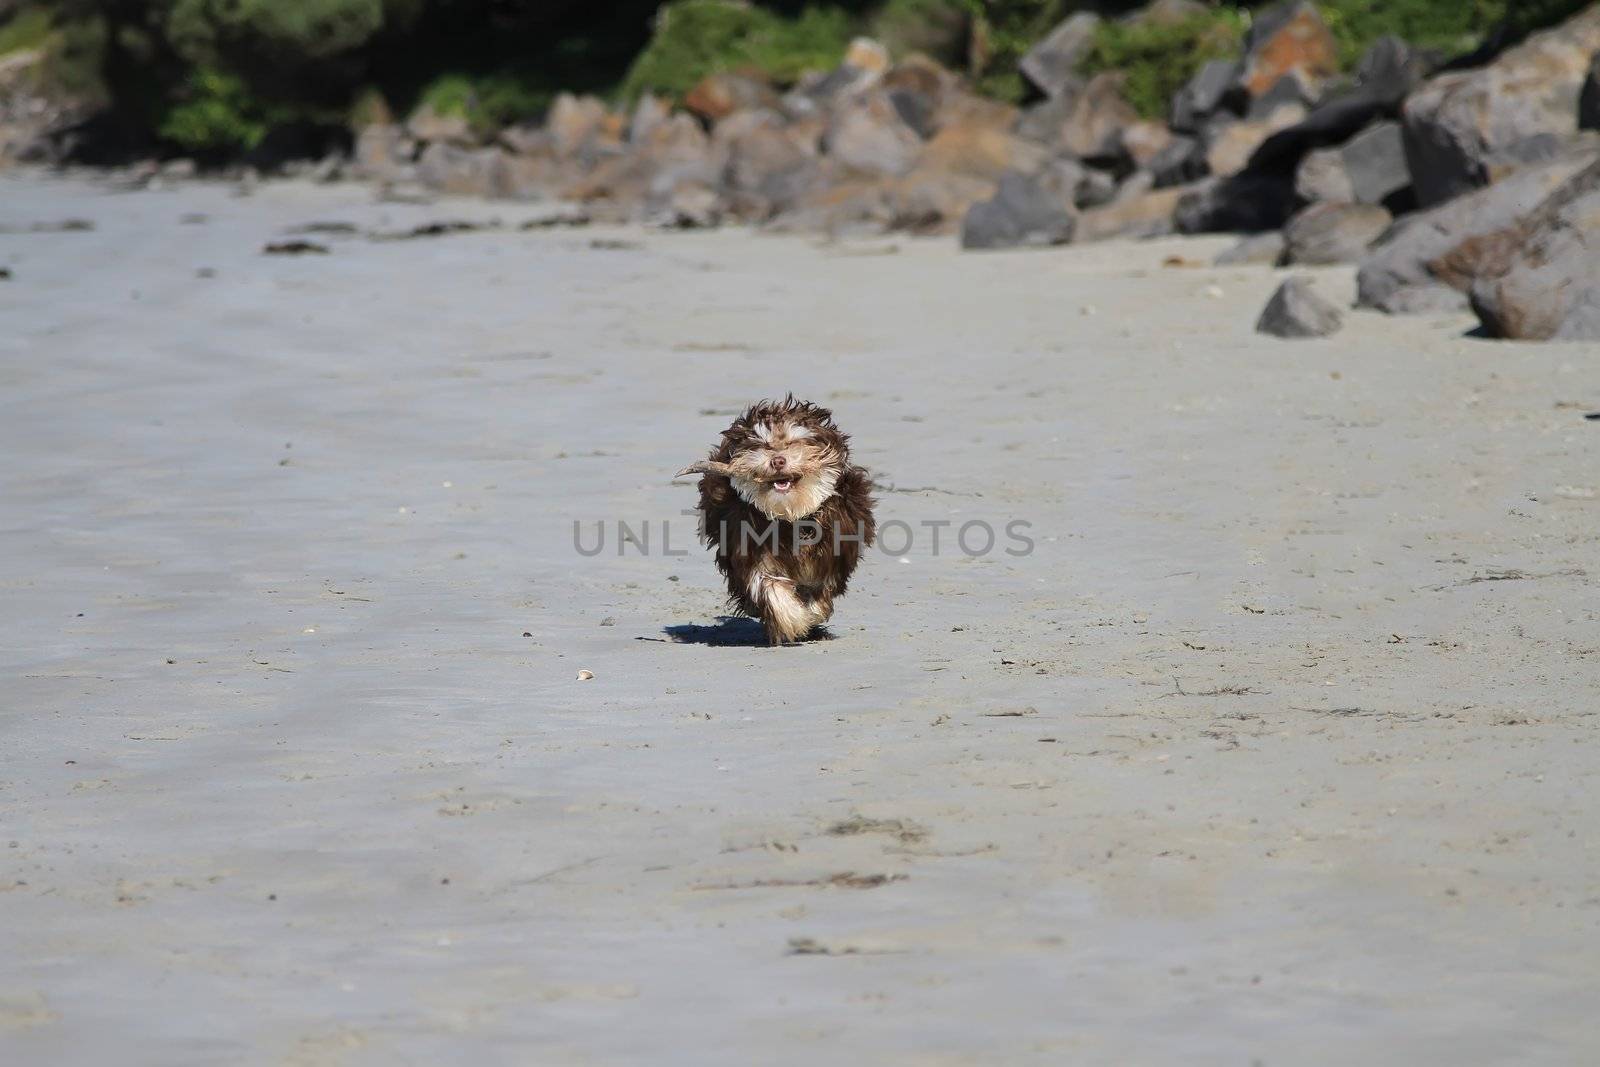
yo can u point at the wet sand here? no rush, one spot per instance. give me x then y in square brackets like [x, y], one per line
[1279, 746]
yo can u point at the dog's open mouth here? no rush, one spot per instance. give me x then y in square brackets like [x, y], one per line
[782, 485]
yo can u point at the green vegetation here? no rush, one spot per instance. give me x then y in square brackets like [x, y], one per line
[212, 77]
[30, 29]
[218, 115]
[1159, 57]
[693, 38]
[1448, 27]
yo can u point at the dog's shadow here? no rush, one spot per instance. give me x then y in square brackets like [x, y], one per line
[730, 631]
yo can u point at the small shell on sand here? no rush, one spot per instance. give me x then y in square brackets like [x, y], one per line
[584, 676]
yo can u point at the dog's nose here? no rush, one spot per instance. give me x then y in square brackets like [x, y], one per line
[778, 463]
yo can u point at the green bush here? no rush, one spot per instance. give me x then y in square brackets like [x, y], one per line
[28, 28]
[217, 116]
[1159, 57]
[1005, 30]
[302, 30]
[488, 101]
[693, 38]
[1448, 25]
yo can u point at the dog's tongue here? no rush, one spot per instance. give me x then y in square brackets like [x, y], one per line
[782, 485]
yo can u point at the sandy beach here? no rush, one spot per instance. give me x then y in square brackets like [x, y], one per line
[1278, 747]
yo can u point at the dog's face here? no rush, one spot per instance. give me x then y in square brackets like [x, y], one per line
[785, 458]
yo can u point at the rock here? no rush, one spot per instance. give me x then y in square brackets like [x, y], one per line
[1134, 186]
[1021, 213]
[1296, 310]
[1292, 90]
[1394, 275]
[1457, 123]
[1370, 168]
[1204, 94]
[1099, 114]
[1230, 147]
[648, 113]
[1149, 214]
[917, 110]
[1390, 69]
[1052, 64]
[1264, 249]
[920, 74]
[1247, 202]
[1329, 233]
[1321, 177]
[765, 158]
[865, 54]
[1045, 121]
[1546, 284]
[456, 171]
[960, 106]
[1289, 37]
[865, 133]
[1182, 161]
[1072, 184]
[929, 201]
[1375, 161]
[816, 93]
[382, 153]
[430, 126]
[526, 139]
[840, 205]
[685, 205]
[716, 96]
[676, 151]
[980, 151]
[575, 123]
[1143, 142]
[1589, 97]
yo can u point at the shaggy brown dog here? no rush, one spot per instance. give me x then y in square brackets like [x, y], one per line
[786, 513]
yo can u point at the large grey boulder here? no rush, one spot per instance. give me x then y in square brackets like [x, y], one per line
[456, 171]
[1370, 168]
[1321, 178]
[1298, 310]
[1052, 64]
[1204, 94]
[1093, 127]
[1395, 275]
[867, 134]
[1182, 160]
[1020, 213]
[1330, 233]
[1545, 284]
[1459, 125]
[1375, 160]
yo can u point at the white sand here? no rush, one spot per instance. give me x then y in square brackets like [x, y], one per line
[283, 781]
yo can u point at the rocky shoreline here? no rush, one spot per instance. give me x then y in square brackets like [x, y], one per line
[1472, 183]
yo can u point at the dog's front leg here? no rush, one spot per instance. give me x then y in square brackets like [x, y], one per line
[785, 616]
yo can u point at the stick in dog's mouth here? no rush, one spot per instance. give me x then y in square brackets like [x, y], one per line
[706, 466]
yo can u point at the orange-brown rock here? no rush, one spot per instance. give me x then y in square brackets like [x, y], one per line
[979, 150]
[716, 96]
[1289, 37]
